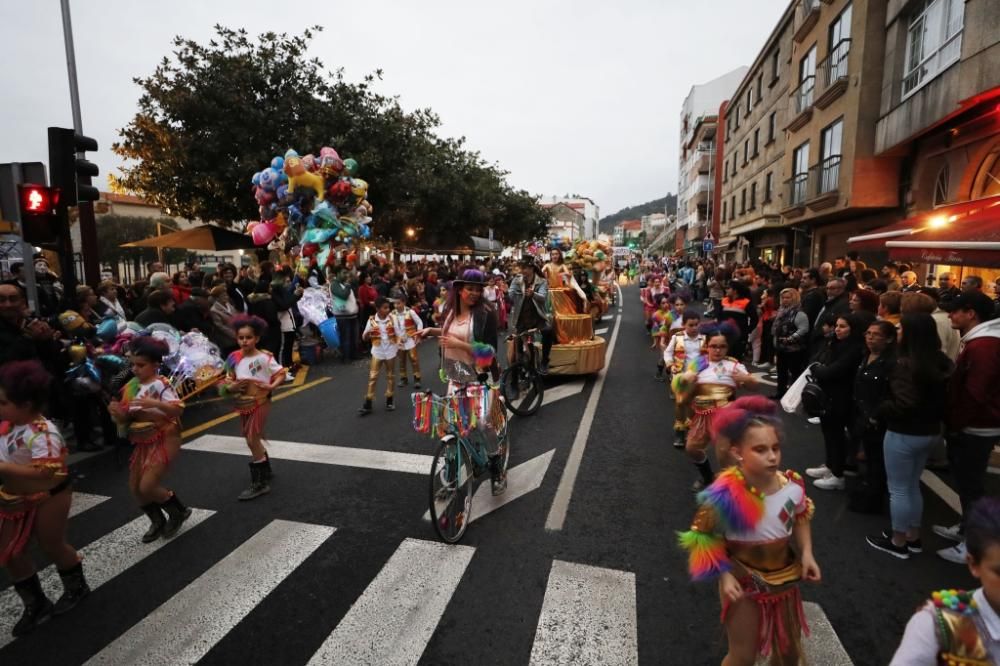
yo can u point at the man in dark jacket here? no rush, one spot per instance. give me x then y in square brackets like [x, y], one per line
[947, 291]
[194, 314]
[812, 295]
[973, 414]
[160, 307]
[836, 304]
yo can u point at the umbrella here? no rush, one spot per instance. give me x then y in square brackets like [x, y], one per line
[205, 237]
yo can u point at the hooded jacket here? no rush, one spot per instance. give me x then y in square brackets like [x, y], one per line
[974, 402]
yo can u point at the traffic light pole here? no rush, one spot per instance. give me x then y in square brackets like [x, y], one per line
[88, 224]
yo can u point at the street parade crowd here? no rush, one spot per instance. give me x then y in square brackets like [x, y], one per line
[896, 374]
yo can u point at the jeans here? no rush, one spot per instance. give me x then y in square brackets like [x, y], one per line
[905, 456]
[969, 456]
[347, 327]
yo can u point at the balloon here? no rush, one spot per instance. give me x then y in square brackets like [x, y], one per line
[263, 234]
[309, 161]
[330, 164]
[359, 188]
[351, 166]
[298, 177]
[256, 179]
[291, 152]
[269, 179]
[339, 191]
[263, 196]
[282, 191]
[278, 163]
[328, 329]
[251, 226]
[107, 330]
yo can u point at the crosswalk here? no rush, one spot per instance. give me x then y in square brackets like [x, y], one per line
[588, 614]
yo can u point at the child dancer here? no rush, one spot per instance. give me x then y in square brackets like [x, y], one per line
[252, 374]
[35, 496]
[150, 410]
[383, 354]
[659, 328]
[752, 532]
[684, 345]
[953, 627]
[407, 322]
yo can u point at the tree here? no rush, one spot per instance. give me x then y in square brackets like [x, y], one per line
[211, 115]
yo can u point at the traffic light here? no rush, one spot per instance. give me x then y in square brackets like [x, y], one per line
[39, 210]
[70, 173]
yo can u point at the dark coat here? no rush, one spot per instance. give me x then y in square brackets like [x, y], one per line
[917, 400]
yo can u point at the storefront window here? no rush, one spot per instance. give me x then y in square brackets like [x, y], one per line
[987, 183]
[941, 186]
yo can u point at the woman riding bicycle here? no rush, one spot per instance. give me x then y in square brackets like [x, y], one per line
[468, 340]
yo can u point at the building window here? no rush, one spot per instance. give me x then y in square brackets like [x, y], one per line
[768, 186]
[760, 87]
[941, 186]
[736, 156]
[749, 101]
[724, 209]
[743, 201]
[933, 41]
[746, 150]
[987, 183]
[756, 139]
[775, 60]
[807, 80]
[725, 171]
[800, 174]
[753, 195]
[772, 126]
[732, 208]
[737, 125]
[829, 166]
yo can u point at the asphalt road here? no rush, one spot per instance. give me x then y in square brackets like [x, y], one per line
[339, 565]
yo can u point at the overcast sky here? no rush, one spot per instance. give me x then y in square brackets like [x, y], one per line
[578, 96]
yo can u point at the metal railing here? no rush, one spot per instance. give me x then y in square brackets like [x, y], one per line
[802, 97]
[825, 176]
[796, 188]
[833, 68]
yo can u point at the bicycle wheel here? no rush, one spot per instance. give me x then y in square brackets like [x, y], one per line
[451, 490]
[522, 389]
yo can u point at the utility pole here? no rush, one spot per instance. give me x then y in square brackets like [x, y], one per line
[88, 225]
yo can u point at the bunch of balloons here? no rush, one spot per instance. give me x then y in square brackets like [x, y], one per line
[311, 205]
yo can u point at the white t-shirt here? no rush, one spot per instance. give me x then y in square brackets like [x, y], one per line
[23, 444]
[384, 345]
[780, 511]
[156, 389]
[261, 367]
[722, 372]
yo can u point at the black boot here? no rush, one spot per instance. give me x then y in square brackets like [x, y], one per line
[707, 477]
[267, 467]
[158, 522]
[74, 589]
[177, 513]
[258, 482]
[498, 476]
[659, 371]
[37, 606]
[366, 408]
[390, 404]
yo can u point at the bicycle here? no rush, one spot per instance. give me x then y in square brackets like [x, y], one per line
[521, 383]
[462, 455]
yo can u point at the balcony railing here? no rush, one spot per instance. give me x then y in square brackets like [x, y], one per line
[824, 178]
[833, 68]
[802, 98]
[807, 20]
[796, 189]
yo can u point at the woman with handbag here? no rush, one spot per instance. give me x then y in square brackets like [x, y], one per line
[791, 335]
[835, 377]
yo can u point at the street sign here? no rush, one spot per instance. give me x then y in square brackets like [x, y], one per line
[708, 246]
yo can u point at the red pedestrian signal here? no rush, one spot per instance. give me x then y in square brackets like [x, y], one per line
[38, 200]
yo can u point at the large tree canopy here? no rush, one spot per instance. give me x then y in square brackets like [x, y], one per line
[211, 115]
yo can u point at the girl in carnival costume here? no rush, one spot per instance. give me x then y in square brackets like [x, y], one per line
[660, 322]
[709, 382]
[150, 411]
[956, 627]
[685, 344]
[36, 495]
[252, 374]
[752, 533]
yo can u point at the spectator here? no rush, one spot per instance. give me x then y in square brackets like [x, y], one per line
[973, 415]
[838, 363]
[246, 281]
[345, 310]
[181, 287]
[158, 282]
[160, 306]
[947, 290]
[889, 304]
[86, 301]
[222, 313]
[265, 278]
[193, 314]
[836, 305]
[812, 296]
[972, 283]
[23, 338]
[908, 280]
[863, 300]
[262, 305]
[366, 297]
[109, 305]
[791, 335]
[195, 276]
[925, 301]
[913, 413]
[285, 296]
[890, 273]
[865, 278]
[237, 296]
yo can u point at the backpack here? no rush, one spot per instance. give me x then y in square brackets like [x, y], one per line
[815, 402]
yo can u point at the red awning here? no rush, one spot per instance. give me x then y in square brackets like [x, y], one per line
[966, 234]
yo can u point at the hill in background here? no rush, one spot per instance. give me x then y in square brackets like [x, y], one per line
[667, 204]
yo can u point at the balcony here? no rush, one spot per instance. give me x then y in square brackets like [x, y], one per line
[824, 184]
[796, 189]
[833, 76]
[703, 161]
[808, 19]
[802, 104]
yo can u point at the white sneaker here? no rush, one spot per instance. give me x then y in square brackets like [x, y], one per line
[954, 553]
[813, 419]
[948, 532]
[289, 377]
[829, 483]
[820, 472]
[764, 366]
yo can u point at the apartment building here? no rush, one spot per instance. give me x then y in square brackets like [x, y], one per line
[836, 186]
[751, 156]
[940, 112]
[696, 158]
[589, 211]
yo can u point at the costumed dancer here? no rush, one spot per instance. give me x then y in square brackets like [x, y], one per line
[407, 322]
[149, 412]
[555, 271]
[709, 382]
[659, 330]
[35, 496]
[384, 351]
[252, 374]
[685, 344]
[956, 626]
[752, 533]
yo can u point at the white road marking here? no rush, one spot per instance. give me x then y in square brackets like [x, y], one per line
[521, 480]
[395, 617]
[186, 627]
[762, 378]
[84, 501]
[564, 493]
[601, 331]
[588, 617]
[102, 560]
[942, 490]
[563, 391]
[823, 646]
[389, 461]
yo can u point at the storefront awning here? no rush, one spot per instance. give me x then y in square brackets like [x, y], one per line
[963, 234]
